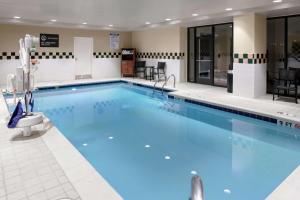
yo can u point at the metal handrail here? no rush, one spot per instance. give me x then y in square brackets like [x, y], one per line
[154, 86]
[197, 189]
[165, 83]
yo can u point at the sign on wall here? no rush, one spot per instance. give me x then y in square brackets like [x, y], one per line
[114, 40]
[49, 40]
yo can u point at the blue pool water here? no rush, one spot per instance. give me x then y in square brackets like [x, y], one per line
[148, 147]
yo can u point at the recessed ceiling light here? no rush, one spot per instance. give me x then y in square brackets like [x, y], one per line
[277, 1]
[202, 18]
[195, 15]
[53, 20]
[17, 17]
[84, 23]
[175, 22]
[147, 23]
[168, 19]
[228, 9]
[110, 25]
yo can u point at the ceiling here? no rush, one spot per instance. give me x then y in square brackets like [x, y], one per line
[128, 15]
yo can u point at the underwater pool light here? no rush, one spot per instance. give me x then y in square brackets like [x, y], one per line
[167, 157]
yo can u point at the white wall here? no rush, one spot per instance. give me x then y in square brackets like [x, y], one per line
[106, 68]
[172, 67]
[63, 69]
[55, 70]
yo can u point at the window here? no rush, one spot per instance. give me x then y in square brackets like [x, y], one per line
[276, 49]
[293, 42]
[283, 46]
[210, 54]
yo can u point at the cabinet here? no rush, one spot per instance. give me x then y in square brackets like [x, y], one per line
[127, 62]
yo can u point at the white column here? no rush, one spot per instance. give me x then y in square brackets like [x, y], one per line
[249, 67]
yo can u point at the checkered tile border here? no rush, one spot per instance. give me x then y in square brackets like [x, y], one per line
[52, 55]
[9, 56]
[161, 55]
[247, 58]
[70, 55]
[107, 54]
[38, 55]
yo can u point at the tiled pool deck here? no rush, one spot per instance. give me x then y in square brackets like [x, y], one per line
[47, 166]
[28, 168]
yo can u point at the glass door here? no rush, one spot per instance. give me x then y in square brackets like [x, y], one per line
[223, 53]
[204, 55]
[276, 50]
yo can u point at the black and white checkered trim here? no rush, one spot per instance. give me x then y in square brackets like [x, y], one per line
[250, 58]
[107, 54]
[52, 55]
[161, 55]
[38, 55]
[9, 56]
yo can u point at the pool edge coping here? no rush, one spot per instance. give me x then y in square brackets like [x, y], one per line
[234, 109]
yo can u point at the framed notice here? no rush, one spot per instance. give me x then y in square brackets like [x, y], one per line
[49, 40]
[114, 40]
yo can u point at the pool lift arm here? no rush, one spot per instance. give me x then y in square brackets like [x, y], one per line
[27, 45]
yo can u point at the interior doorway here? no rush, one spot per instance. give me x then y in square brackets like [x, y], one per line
[210, 50]
[83, 52]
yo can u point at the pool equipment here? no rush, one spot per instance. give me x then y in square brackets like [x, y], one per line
[165, 83]
[27, 47]
[197, 189]
[28, 121]
[11, 86]
[25, 76]
[16, 116]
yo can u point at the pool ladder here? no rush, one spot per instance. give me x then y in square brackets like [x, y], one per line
[197, 189]
[165, 83]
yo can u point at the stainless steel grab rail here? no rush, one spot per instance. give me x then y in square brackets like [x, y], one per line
[197, 189]
[165, 83]
[154, 86]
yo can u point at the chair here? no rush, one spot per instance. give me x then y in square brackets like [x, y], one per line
[160, 70]
[286, 82]
[139, 68]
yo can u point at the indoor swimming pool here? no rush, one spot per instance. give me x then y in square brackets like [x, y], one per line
[148, 146]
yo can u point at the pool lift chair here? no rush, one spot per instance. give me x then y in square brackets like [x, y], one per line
[29, 118]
